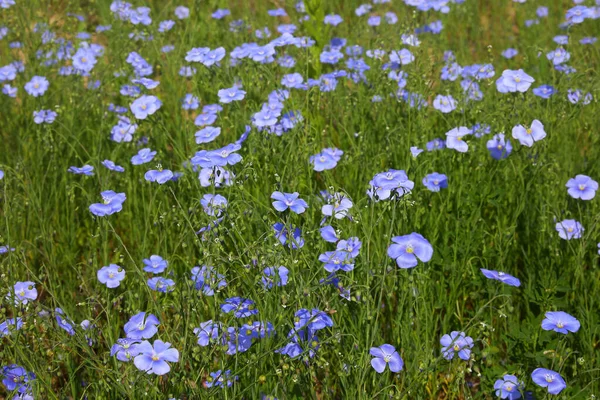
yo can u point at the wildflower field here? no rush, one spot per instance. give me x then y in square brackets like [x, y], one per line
[318, 199]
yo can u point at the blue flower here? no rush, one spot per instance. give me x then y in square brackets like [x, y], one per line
[510, 53]
[582, 187]
[213, 205]
[143, 156]
[219, 379]
[434, 182]
[17, 379]
[111, 275]
[37, 86]
[455, 139]
[274, 275]
[436, 144]
[207, 279]
[182, 12]
[159, 176]
[225, 155]
[144, 106]
[242, 308]
[281, 232]
[444, 104]
[561, 322]
[161, 284]
[10, 325]
[498, 147]
[313, 319]
[351, 246]
[205, 119]
[207, 134]
[508, 387]
[544, 91]
[24, 291]
[385, 184]
[283, 201]
[207, 331]
[141, 326]
[386, 355]
[456, 342]
[112, 202]
[153, 358]
[44, 116]
[125, 349]
[528, 136]
[155, 264]
[191, 102]
[63, 322]
[569, 229]
[84, 60]
[339, 208]
[337, 260]
[514, 81]
[85, 170]
[327, 159]
[232, 94]
[549, 379]
[112, 166]
[501, 276]
[408, 248]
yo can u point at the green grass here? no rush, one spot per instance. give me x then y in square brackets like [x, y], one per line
[495, 214]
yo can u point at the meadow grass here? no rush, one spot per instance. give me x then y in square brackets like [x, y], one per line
[494, 214]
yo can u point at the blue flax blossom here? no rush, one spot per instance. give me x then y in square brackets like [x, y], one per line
[111, 275]
[155, 264]
[125, 349]
[313, 319]
[549, 379]
[17, 379]
[328, 234]
[508, 387]
[112, 202]
[24, 292]
[385, 184]
[144, 106]
[159, 176]
[207, 331]
[242, 308]
[230, 95]
[339, 208]
[161, 284]
[207, 134]
[386, 355]
[499, 147]
[205, 119]
[528, 136]
[112, 166]
[326, 159]
[444, 104]
[225, 156]
[143, 156]
[213, 205]
[455, 139]
[337, 260]
[37, 86]
[501, 276]
[141, 326]
[351, 246]
[305, 337]
[514, 81]
[436, 144]
[544, 91]
[561, 322]
[153, 358]
[277, 276]
[408, 248]
[87, 170]
[64, 322]
[456, 342]
[207, 279]
[44, 116]
[283, 235]
[10, 325]
[216, 176]
[510, 53]
[283, 201]
[582, 187]
[434, 182]
[569, 229]
[220, 379]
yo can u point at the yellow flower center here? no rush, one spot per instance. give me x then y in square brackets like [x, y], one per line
[83, 59]
[581, 187]
[528, 131]
[549, 378]
[409, 249]
[559, 325]
[499, 147]
[144, 107]
[155, 358]
[456, 347]
[517, 79]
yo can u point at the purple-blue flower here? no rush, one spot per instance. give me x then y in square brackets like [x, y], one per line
[386, 355]
[501, 276]
[434, 182]
[544, 91]
[111, 275]
[569, 229]
[444, 104]
[112, 166]
[561, 322]
[528, 136]
[213, 205]
[230, 95]
[159, 176]
[549, 379]
[408, 248]
[153, 358]
[87, 170]
[499, 147]
[514, 81]
[155, 264]
[242, 308]
[277, 276]
[283, 201]
[24, 291]
[143, 156]
[582, 187]
[37, 86]
[125, 349]
[141, 326]
[161, 284]
[207, 134]
[456, 342]
[454, 139]
[144, 106]
[112, 202]
[508, 387]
